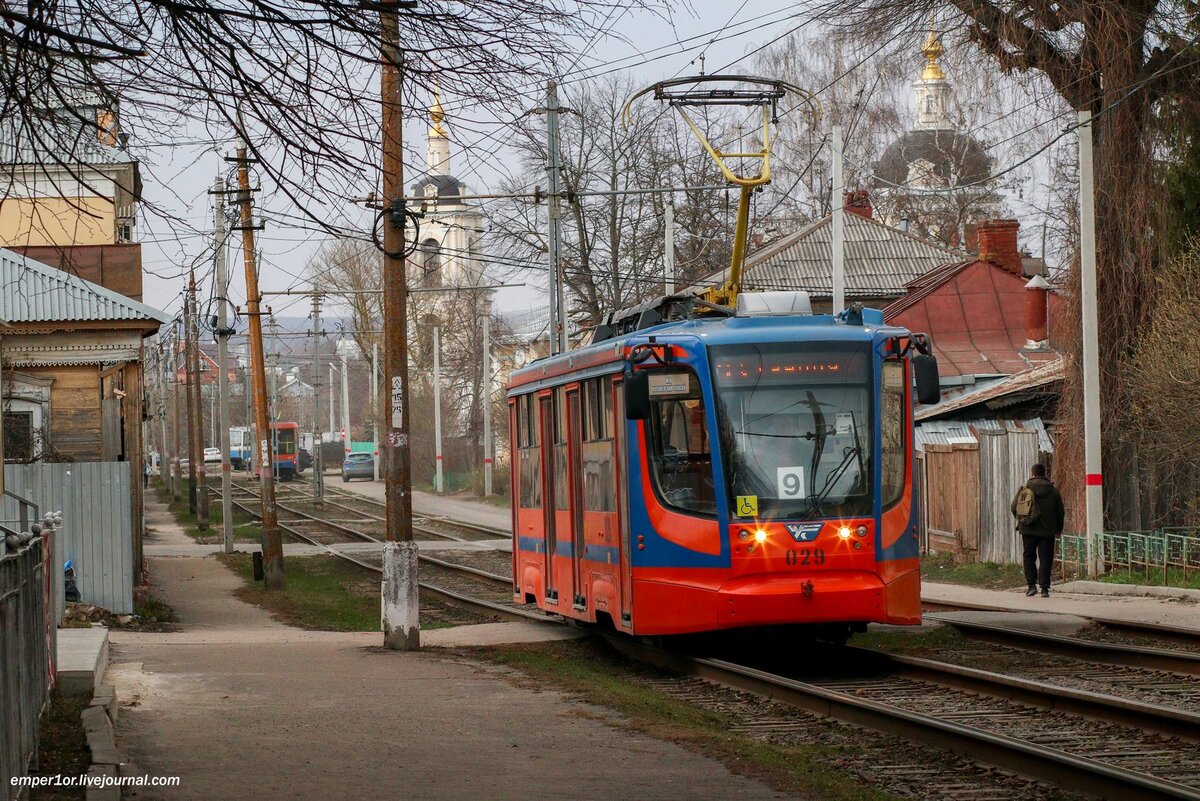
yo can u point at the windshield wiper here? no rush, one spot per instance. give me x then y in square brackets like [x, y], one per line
[840, 470]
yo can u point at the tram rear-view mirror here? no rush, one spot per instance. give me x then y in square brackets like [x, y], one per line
[925, 372]
[637, 395]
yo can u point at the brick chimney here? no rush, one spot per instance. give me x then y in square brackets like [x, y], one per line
[998, 244]
[858, 202]
[1037, 331]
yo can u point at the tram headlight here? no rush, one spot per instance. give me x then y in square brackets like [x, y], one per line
[760, 536]
[844, 532]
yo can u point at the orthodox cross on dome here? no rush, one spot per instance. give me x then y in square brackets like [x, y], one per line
[933, 90]
[932, 50]
[437, 141]
[436, 115]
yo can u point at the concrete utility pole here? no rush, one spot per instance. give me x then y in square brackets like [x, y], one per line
[1093, 472]
[375, 410]
[838, 224]
[164, 471]
[399, 590]
[272, 544]
[223, 332]
[438, 484]
[197, 422]
[318, 466]
[189, 375]
[669, 246]
[332, 405]
[558, 322]
[346, 405]
[176, 450]
[486, 402]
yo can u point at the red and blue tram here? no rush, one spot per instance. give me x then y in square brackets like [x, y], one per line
[284, 455]
[711, 472]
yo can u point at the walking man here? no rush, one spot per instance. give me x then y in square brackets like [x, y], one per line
[1038, 509]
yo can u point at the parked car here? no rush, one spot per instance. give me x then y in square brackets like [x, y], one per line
[358, 465]
[212, 455]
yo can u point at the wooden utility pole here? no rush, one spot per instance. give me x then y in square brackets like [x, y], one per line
[196, 422]
[400, 589]
[189, 399]
[272, 545]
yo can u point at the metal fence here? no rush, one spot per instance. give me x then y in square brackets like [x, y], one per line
[97, 530]
[27, 643]
[1169, 556]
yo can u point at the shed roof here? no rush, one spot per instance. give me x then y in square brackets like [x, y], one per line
[34, 292]
[955, 432]
[880, 260]
[1000, 393]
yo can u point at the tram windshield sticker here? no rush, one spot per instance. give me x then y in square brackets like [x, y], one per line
[747, 506]
[844, 424]
[789, 482]
[669, 384]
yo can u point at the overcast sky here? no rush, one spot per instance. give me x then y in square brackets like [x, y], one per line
[177, 177]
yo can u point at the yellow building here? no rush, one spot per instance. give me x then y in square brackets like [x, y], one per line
[66, 175]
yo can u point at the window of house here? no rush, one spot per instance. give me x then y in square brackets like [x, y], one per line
[18, 436]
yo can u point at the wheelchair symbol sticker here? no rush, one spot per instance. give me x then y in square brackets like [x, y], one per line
[747, 506]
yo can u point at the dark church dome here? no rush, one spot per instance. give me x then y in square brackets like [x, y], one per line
[445, 186]
[950, 159]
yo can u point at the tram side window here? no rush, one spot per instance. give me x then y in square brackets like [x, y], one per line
[680, 458]
[599, 478]
[891, 425]
[530, 458]
[562, 486]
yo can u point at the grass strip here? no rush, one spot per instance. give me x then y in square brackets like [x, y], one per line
[987, 575]
[598, 675]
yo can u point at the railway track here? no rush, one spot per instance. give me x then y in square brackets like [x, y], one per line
[1089, 742]
[356, 507]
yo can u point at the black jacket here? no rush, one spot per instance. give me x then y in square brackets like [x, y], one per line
[1051, 515]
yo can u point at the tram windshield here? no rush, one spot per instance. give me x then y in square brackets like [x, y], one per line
[795, 428]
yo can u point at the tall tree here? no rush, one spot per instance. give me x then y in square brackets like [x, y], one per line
[1120, 59]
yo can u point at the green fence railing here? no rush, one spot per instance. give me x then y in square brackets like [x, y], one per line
[1169, 556]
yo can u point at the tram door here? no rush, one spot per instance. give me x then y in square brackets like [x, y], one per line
[546, 426]
[624, 571]
[578, 542]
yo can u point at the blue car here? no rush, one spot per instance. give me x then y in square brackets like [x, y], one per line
[358, 465]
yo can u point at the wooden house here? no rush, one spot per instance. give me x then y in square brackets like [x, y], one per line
[72, 371]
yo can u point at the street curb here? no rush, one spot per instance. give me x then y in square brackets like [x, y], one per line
[1140, 590]
[98, 726]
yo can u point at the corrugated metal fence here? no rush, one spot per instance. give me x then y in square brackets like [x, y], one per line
[26, 648]
[97, 529]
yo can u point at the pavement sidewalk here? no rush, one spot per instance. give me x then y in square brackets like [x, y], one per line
[1167, 611]
[240, 706]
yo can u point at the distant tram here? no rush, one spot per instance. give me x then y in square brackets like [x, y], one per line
[692, 471]
[239, 447]
[284, 440]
